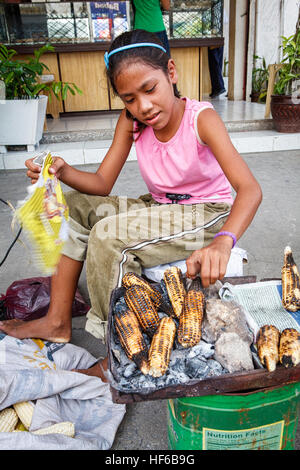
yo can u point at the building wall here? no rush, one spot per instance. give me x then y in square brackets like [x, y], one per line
[274, 18]
[268, 20]
[237, 48]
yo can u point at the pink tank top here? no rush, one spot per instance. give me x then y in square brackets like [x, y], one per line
[183, 165]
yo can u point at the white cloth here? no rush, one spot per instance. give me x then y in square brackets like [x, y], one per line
[234, 267]
[41, 372]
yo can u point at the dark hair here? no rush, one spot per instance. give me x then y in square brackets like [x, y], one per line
[152, 56]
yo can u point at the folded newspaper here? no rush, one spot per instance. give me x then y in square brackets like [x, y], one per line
[262, 304]
[44, 215]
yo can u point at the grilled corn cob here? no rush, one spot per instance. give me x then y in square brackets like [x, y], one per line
[139, 302]
[190, 320]
[290, 282]
[131, 338]
[161, 347]
[67, 428]
[8, 420]
[289, 347]
[175, 288]
[267, 346]
[132, 279]
[24, 411]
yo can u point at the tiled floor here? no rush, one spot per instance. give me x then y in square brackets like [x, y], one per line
[229, 111]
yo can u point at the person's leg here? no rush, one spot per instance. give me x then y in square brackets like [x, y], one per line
[215, 62]
[56, 325]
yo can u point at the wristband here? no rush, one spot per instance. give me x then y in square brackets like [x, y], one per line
[229, 234]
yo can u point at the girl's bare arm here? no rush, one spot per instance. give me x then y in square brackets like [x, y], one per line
[102, 181]
[212, 260]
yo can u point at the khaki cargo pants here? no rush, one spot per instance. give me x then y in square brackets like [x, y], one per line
[118, 234]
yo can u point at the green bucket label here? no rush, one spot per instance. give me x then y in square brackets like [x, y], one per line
[268, 437]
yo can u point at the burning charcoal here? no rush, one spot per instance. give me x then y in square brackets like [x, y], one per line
[177, 365]
[124, 384]
[124, 360]
[175, 379]
[202, 349]
[143, 382]
[120, 305]
[215, 368]
[195, 368]
[130, 370]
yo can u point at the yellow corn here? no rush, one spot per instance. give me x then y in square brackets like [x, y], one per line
[24, 411]
[67, 428]
[8, 420]
[190, 320]
[175, 288]
[267, 346]
[289, 347]
[131, 338]
[139, 302]
[132, 279]
[20, 427]
[290, 282]
[161, 347]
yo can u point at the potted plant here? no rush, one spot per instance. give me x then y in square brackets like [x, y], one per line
[285, 101]
[23, 109]
[260, 77]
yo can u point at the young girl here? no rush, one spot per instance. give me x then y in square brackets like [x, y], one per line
[189, 165]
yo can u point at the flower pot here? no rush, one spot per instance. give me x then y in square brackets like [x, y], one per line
[254, 96]
[22, 122]
[286, 113]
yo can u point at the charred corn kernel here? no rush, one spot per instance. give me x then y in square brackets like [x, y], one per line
[268, 346]
[289, 347]
[139, 302]
[190, 320]
[67, 428]
[24, 411]
[131, 338]
[290, 282]
[132, 279]
[8, 420]
[175, 287]
[161, 347]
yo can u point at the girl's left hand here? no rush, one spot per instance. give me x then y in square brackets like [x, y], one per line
[210, 262]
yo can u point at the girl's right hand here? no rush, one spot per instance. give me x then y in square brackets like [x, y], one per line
[34, 170]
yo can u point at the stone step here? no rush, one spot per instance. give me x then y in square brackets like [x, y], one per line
[106, 134]
[93, 151]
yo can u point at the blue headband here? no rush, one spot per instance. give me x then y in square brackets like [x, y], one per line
[130, 46]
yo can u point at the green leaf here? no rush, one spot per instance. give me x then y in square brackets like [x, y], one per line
[79, 91]
[22, 77]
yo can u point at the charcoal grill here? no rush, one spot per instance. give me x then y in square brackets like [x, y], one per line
[238, 382]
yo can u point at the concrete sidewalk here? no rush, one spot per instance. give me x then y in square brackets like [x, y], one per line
[276, 225]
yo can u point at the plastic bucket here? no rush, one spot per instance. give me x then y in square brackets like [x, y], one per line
[265, 420]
